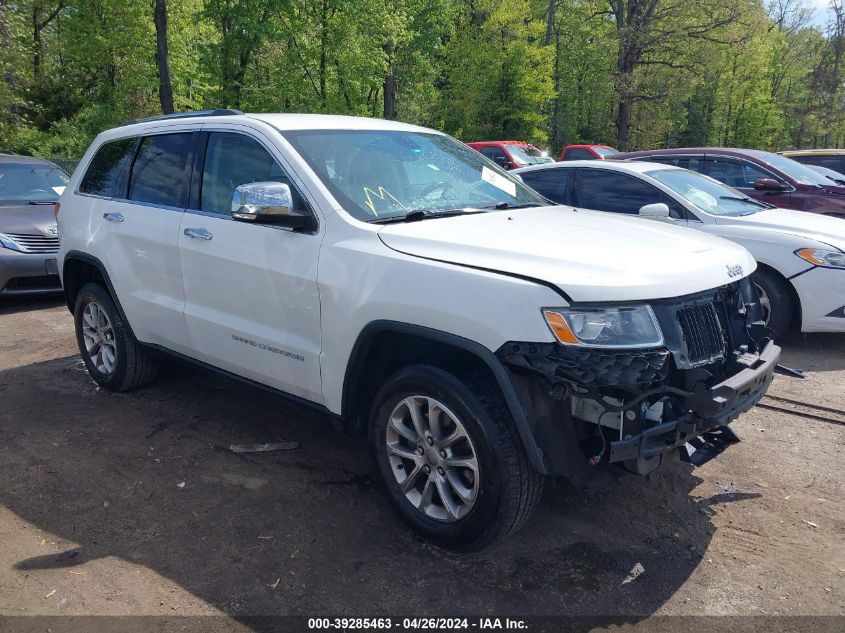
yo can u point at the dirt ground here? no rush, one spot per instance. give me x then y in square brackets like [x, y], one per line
[131, 504]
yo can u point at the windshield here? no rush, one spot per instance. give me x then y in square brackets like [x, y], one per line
[527, 155]
[604, 152]
[792, 168]
[707, 194]
[378, 175]
[835, 176]
[23, 182]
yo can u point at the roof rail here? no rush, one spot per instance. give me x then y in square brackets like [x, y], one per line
[183, 115]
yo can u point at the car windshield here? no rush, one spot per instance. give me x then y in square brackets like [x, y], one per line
[24, 182]
[792, 168]
[604, 152]
[707, 194]
[377, 175]
[835, 176]
[527, 155]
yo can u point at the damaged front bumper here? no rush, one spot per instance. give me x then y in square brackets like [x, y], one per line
[588, 406]
[713, 408]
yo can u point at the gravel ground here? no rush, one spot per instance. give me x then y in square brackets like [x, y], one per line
[131, 504]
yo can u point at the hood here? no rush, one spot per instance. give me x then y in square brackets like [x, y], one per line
[28, 219]
[814, 226]
[591, 256]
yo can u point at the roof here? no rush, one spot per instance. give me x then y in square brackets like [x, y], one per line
[638, 166]
[282, 122]
[522, 143]
[585, 146]
[814, 152]
[27, 160]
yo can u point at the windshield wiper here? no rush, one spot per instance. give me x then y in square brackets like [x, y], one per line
[758, 203]
[511, 205]
[420, 214]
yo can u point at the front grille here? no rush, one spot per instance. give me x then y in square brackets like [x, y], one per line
[36, 243]
[702, 333]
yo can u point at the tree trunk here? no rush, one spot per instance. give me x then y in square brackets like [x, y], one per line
[390, 84]
[550, 22]
[165, 88]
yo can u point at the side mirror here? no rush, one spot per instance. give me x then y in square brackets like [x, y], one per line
[768, 184]
[268, 203]
[657, 211]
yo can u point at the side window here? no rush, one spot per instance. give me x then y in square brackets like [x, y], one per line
[158, 173]
[550, 183]
[735, 173]
[106, 170]
[578, 154]
[618, 193]
[496, 155]
[232, 160]
[687, 162]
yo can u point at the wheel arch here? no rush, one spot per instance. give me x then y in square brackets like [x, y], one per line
[80, 268]
[796, 299]
[385, 346]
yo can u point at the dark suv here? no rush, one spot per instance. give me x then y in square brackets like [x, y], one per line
[766, 176]
[29, 240]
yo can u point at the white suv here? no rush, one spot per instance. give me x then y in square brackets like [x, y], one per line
[404, 284]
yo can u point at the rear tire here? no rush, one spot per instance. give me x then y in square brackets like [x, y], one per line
[776, 300]
[479, 486]
[113, 358]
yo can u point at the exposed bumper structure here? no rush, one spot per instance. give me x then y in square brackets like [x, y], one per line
[591, 406]
[721, 404]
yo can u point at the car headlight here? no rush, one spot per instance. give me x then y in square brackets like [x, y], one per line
[623, 326]
[828, 259]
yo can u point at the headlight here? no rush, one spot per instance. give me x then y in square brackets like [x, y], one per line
[9, 243]
[624, 326]
[829, 259]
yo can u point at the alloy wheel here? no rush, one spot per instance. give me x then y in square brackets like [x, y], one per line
[432, 458]
[98, 336]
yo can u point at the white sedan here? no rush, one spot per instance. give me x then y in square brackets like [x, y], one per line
[800, 255]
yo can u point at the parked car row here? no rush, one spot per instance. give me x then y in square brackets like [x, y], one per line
[800, 257]
[480, 336]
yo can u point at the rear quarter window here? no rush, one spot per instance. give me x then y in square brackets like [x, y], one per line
[106, 172]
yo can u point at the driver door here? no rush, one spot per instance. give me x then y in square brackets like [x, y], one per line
[252, 305]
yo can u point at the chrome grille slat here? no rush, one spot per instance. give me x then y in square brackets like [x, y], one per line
[702, 332]
[40, 244]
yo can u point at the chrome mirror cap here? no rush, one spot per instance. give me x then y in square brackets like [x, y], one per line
[258, 201]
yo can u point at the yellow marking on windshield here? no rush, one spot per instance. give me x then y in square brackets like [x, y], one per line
[381, 194]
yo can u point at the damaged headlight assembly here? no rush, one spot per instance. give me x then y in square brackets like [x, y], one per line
[623, 327]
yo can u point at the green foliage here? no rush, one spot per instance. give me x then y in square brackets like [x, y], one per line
[723, 72]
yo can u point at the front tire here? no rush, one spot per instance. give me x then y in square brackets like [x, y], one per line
[451, 459]
[775, 299]
[113, 358]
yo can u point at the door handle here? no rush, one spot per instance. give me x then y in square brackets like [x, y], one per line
[113, 217]
[198, 234]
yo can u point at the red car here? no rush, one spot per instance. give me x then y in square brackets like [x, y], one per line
[511, 154]
[765, 176]
[587, 152]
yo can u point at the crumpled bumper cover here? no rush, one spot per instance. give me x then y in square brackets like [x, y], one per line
[713, 407]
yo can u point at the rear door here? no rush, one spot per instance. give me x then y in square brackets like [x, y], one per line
[252, 302]
[137, 232]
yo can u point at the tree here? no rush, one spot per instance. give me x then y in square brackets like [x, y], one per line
[165, 89]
